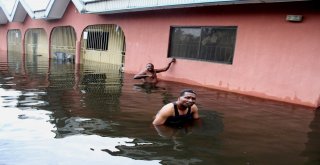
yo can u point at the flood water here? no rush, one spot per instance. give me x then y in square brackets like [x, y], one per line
[61, 113]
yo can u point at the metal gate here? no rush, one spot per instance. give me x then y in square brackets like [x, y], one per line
[103, 44]
[63, 44]
[36, 46]
[14, 45]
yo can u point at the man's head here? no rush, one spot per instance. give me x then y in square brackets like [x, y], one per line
[187, 97]
[187, 91]
[150, 67]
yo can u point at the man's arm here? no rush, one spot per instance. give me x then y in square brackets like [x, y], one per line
[163, 114]
[141, 75]
[159, 119]
[165, 131]
[195, 112]
[166, 68]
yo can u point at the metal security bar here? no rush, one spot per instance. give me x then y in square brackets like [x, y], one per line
[14, 40]
[36, 43]
[63, 42]
[215, 44]
[97, 40]
[14, 49]
[103, 43]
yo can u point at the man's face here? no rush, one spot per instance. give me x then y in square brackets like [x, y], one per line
[188, 99]
[150, 67]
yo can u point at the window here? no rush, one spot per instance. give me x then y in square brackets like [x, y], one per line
[214, 44]
[97, 40]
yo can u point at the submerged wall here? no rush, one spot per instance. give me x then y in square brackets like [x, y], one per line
[273, 59]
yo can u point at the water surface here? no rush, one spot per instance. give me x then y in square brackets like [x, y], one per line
[61, 113]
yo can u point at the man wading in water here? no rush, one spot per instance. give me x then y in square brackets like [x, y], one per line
[149, 75]
[180, 112]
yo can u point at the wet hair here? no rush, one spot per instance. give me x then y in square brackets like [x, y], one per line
[187, 90]
[149, 64]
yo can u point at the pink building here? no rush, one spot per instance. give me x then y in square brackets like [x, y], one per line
[268, 50]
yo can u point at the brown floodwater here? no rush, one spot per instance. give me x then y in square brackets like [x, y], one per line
[61, 113]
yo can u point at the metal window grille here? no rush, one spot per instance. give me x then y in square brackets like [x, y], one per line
[97, 40]
[214, 44]
[103, 43]
[63, 40]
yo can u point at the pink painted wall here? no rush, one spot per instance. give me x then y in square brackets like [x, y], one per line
[273, 59]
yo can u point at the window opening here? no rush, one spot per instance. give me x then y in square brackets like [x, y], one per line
[214, 44]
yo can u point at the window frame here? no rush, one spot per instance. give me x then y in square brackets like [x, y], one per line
[196, 57]
[94, 44]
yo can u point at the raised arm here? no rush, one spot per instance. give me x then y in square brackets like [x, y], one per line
[166, 68]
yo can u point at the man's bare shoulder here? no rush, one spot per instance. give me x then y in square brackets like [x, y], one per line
[166, 110]
[166, 107]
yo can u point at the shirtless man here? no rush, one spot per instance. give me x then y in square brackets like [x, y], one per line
[182, 111]
[149, 75]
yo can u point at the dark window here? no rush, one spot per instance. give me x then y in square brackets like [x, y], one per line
[203, 43]
[97, 40]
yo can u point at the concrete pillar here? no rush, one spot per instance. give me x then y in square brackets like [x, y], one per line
[78, 52]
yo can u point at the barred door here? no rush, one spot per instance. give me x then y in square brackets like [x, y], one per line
[63, 41]
[103, 44]
[14, 49]
[36, 46]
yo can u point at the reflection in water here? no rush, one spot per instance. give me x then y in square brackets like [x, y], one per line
[154, 88]
[147, 87]
[312, 150]
[177, 145]
[77, 125]
[42, 113]
[63, 113]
